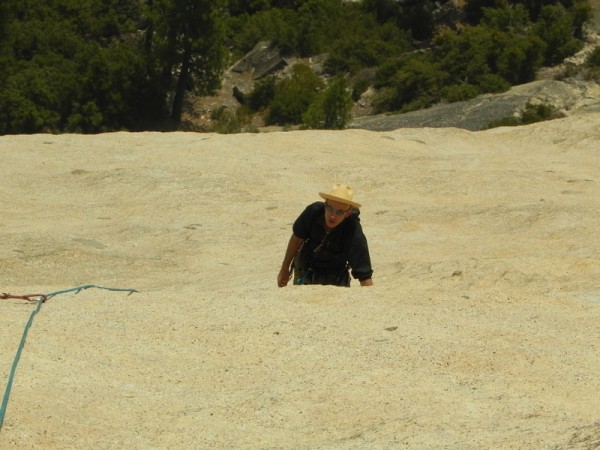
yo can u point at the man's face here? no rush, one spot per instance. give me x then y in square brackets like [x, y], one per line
[335, 213]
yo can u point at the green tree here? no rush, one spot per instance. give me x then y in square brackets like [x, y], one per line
[468, 56]
[413, 83]
[592, 63]
[593, 59]
[416, 17]
[319, 23]
[293, 96]
[519, 58]
[474, 9]
[4, 12]
[365, 44]
[188, 45]
[383, 10]
[74, 65]
[276, 25]
[262, 94]
[506, 17]
[331, 109]
[555, 28]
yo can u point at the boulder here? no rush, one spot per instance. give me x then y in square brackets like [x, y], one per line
[567, 97]
[263, 59]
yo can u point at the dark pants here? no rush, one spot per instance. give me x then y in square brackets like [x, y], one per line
[304, 274]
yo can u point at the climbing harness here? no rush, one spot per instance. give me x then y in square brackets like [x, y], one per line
[39, 299]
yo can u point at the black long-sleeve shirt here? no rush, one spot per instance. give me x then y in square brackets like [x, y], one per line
[345, 244]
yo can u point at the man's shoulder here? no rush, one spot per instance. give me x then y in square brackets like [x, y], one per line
[314, 208]
[310, 213]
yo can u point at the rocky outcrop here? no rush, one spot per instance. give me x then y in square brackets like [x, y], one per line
[567, 97]
[263, 59]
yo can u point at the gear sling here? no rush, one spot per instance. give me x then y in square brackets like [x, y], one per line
[305, 273]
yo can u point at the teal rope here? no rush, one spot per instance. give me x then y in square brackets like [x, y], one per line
[38, 306]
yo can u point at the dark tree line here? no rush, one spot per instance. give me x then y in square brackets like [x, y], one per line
[100, 65]
[96, 65]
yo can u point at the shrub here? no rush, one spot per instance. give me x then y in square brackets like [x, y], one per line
[539, 113]
[416, 83]
[361, 83]
[507, 18]
[530, 114]
[226, 121]
[519, 58]
[331, 109]
[593, 59]
[555, 28]
[293, 96]
[460, 92]
[509, 121]
[469, 55]
[493, 83]
[262, 94]
[269, 25]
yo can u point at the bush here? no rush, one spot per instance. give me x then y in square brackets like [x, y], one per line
[415, 83]
[467, 56]
[555, 28]
[457, 93]
[507, 18]
[293, 96]
[276, 25]
[493, 83]
[509, 121]
[530, 114]
[539, 113]
[361, 83]
[226, 121]
[593, 59]
[519, 58]
[331, 109]
[362, 44]
[262, 94]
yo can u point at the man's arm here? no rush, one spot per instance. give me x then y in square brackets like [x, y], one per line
[293, 247]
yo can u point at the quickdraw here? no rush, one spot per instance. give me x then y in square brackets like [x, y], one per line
[30, 298]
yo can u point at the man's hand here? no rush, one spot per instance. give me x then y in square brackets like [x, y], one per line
[284, 276]
[291, 251]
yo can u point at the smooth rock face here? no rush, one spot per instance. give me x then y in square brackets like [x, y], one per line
[482, 329]
[567, 97]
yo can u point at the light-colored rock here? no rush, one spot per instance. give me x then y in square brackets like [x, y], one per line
[482, 329]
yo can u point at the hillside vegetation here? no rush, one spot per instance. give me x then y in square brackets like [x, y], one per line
[90, 66]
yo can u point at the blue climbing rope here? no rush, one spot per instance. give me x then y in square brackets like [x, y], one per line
[39, 302]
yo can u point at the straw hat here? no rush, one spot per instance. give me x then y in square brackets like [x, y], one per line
[340, 193]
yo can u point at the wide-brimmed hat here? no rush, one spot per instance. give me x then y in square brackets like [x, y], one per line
[340, 193]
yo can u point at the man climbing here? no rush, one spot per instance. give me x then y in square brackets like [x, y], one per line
[327, 242]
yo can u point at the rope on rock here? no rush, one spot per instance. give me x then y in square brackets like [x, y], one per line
[39, 299]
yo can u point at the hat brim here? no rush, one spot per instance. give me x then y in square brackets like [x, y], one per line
[339, 200]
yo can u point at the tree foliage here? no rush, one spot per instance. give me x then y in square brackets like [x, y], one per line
[331, 109]
[293, 96]
[187, 40]
[68, 67]
[555, 28]
[411, 83]
[83, 65]
[532, 113]
[100, 65]
[593, 60]
[415, 17]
